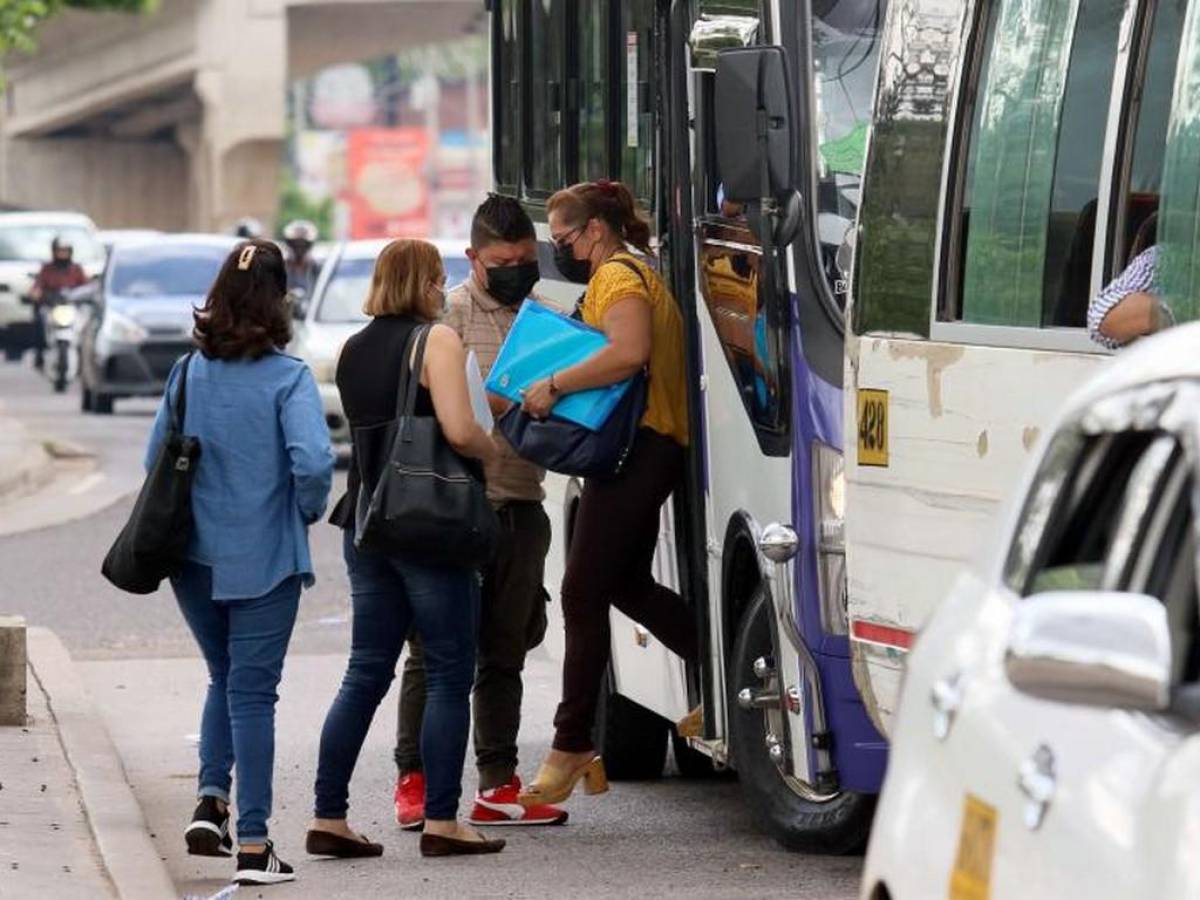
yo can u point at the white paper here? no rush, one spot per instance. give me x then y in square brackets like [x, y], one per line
[479, 399]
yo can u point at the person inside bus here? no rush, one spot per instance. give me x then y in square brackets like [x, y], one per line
[1131, 305]
[482, 310]
[609, 561]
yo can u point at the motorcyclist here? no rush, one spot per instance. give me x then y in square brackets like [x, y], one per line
[300, 235]
[61, 274]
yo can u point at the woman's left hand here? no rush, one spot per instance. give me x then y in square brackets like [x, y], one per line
[538, 399]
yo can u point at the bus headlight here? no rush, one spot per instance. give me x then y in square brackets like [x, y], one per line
[829, 508]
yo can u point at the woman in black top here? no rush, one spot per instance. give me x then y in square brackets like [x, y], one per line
[390, 594]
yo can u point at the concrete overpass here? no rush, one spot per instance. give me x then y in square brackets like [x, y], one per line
[177, 119]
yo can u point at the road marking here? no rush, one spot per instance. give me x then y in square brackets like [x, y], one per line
[86, 484]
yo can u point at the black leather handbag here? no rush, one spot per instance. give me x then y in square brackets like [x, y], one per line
[153, 544]
[429, 504]
[572, 449]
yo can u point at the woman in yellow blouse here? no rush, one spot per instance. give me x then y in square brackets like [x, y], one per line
[593, 225]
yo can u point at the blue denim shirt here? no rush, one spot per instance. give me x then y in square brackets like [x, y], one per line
[264, 473]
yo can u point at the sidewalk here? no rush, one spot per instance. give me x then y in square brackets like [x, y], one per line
[24, 463]
[69, 824]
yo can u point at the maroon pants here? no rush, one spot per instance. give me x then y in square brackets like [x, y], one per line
[612, 551]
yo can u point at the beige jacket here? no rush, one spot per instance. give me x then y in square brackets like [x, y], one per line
[483, 324]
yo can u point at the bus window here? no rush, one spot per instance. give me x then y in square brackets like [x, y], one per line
[1179, 223]
[593, 38]
[1029, 203]
[636, 122]
[845, 53]
[729, 280]
[1138, 226]
[547, 27]
[506, 148]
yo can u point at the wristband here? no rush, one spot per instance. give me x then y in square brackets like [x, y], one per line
[554, 391]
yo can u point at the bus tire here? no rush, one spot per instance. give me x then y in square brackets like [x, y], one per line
[631, 739]
[836, 824]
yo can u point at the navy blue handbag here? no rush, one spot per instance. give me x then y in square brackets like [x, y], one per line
[570, 449]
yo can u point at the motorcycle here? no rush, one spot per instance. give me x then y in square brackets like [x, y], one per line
[61, 310]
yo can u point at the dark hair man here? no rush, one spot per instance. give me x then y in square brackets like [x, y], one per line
[504, 269]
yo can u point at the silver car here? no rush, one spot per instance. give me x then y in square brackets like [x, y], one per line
[142, 321]
[334, 312]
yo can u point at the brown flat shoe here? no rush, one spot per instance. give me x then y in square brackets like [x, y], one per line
[326, 843]
[437, 845]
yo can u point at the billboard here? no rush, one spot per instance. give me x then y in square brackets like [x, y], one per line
[387, 190]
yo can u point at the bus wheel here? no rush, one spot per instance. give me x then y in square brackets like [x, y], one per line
[798, 815]
[631, 739]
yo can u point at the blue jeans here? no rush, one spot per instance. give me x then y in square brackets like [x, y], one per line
[243, 642]
[389, 597]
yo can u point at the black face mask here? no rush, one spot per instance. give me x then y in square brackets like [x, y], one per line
[512, 284]
[572, 269]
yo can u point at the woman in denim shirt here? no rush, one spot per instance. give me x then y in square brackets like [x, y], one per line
[263, 477]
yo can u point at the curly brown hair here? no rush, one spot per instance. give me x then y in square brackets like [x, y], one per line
[246, 313]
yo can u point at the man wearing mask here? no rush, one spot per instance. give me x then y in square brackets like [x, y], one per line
[61, 274]
[512, 619]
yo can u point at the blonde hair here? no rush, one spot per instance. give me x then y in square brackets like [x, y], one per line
[400, 283]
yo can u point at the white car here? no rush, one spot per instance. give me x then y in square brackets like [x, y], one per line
[25, 239]
[334, 312]
[1047, 742]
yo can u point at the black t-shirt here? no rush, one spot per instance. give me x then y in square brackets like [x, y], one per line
[368, 379]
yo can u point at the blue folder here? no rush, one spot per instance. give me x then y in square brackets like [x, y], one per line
[542, 342]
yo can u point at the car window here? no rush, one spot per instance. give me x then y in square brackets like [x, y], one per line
[29, 243]
[346, 291]
[1087, 513]
[169, 271]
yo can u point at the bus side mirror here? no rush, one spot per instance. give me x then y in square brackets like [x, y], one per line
[755, 124]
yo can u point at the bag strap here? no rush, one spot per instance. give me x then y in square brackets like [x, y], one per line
[410, 372]
[179, 409]
[632, 266]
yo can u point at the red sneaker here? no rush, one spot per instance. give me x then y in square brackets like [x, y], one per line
[410, 801]
[499, 806]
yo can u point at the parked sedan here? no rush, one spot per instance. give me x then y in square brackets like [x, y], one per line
[142, 322]
[334, 312]
[1047, 742]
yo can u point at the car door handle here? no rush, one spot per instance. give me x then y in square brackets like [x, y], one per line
[946, 697]
[1037, 781]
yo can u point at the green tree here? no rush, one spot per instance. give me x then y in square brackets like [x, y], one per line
[19, 19]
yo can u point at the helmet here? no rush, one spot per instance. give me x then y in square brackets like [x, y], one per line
[248, 227]
[300, 230]
[60, 243]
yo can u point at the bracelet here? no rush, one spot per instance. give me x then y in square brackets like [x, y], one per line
[554, 391]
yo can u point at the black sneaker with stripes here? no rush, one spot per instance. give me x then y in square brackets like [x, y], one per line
[262, 868]
[208, 835]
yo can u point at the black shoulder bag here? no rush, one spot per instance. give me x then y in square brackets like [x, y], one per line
[153, 544]
[428, 504]
[572, 449]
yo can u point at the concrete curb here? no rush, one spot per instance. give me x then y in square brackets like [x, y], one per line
[129, 856]
[26, 470]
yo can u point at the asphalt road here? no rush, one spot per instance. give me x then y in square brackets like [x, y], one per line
[672, 837]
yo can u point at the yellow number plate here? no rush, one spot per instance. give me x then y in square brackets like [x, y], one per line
[972, 875]
[872, 428]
